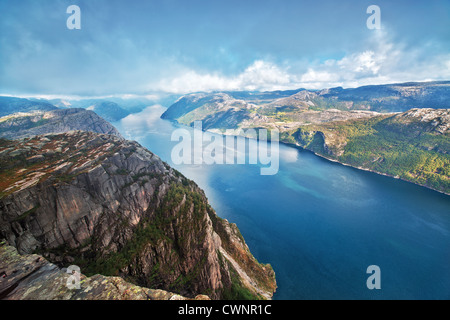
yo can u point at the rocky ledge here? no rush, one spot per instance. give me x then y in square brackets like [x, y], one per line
[31, 277]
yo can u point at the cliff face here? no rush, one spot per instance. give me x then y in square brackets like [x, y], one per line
[31, 277]
[112, 207]
[23, 125]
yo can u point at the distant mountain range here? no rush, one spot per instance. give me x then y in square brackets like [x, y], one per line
[399, 130]
[111, 109]
[381, 98]
[9, 105]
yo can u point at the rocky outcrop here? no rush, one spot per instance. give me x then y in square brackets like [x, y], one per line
[435, 121]
[32, 277]
[22, 125]
[112, 207]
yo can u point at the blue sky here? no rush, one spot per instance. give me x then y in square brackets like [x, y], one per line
[140, 47]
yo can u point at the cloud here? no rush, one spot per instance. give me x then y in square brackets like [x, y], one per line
[261, 75]
[366, 62]
[381, 60]
[313, 76]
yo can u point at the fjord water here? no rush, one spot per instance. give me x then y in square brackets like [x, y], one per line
[321, 224]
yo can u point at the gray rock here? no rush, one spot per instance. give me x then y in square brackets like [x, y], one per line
[31, 277]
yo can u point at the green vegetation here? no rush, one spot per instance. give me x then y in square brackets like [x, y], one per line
[237, 291]
[377, 144]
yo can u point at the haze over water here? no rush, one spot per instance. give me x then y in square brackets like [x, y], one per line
[321, 224]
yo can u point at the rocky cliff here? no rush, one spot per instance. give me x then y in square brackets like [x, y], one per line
[31, 277]
[21, 125]
[112, 207]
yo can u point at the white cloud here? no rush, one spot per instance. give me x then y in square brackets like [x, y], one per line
[381, 61]
[261, 75]
[318, 76]
[366, 62]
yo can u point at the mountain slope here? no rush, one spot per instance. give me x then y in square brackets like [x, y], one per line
[21, 125]
[393, 97]
[414, 145]
[286, 106]
[9, 105]
[112, 207]
[110, 111]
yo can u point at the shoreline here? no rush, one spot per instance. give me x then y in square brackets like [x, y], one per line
[289, 144]
[362, 168]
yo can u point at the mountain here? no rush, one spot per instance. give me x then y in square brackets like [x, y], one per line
[286, 105]
[341, 125]
[9, 105]
[222, 111]
[128, 103]
[112, 207]
[393, 97]
[110, 111]
[32, 277]
[21, 125]
[413, 145]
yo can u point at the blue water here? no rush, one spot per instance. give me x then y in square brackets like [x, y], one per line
[321, 224]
